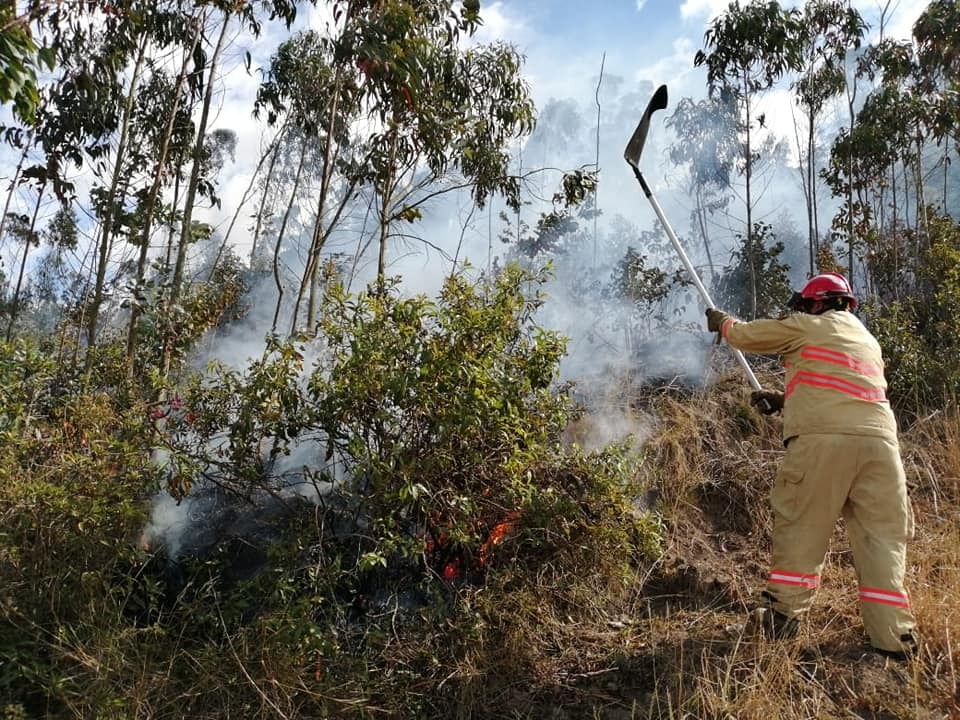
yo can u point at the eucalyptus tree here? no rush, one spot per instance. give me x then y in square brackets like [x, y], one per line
[937, 36]
[269, 156]
[867, 162]
[436, 116]
[832, 31]
[108, 199]
[23, 228]
[204, 80]
[56, 283]
[167, 133]
[447, 113]
[181, 141]
[747, 50]
[313, 91]
[706, 133]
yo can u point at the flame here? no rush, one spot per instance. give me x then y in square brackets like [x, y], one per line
[451, 571]
[497, 535]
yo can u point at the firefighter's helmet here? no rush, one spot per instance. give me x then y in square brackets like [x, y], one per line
[823, 287]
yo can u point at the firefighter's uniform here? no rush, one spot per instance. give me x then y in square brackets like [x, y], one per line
[842, 458]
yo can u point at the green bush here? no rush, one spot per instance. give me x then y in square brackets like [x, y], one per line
[431, 418]
[440, 422]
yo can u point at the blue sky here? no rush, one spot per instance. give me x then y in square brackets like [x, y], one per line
[653, 40]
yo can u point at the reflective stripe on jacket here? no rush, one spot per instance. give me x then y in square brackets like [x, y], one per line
[834, 381]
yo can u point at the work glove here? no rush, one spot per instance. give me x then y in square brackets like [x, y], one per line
[767, 401]
[715, 319]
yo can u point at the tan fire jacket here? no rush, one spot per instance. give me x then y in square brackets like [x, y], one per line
[834, 380]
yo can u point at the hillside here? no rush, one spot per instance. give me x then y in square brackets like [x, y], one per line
[590, 610]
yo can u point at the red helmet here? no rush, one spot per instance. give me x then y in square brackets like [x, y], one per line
[824, 287]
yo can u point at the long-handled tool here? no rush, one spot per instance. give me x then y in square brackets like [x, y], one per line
[632, 155]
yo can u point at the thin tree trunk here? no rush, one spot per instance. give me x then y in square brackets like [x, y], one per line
[384, 217]
[812, 190]
[13, 186]
[263, 203]
[15, 304]
[106, 233]
[702, 222]
[187, 221]
[851, 97]
[282, 231]
[922, 220]
[174, 203]
[272, 154]
[319, 235]
[749, 177]
[805, 182]
[326, 175]
[946, 167]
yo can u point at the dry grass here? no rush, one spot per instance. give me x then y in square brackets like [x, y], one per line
[679, 654]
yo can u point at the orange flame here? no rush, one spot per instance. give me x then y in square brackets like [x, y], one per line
[497, 535]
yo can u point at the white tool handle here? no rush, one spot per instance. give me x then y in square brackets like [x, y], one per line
[696, 281]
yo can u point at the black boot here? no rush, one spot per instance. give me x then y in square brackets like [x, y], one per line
[773, 624]
[910, 644]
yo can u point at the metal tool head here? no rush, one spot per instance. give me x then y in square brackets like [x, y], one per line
[635, 147]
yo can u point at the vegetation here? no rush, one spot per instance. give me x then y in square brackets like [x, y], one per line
[390, 503]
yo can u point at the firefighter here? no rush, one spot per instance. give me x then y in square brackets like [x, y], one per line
[842, 459]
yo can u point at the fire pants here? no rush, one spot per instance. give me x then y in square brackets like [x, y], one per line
[861, 478]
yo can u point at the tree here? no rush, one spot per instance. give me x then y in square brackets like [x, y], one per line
[757, 259]
[20, 60]
[23, 228]
[747, 49]
[830, 31]
[438, 116]
[196, 174]
[938, 59]
[706, 132]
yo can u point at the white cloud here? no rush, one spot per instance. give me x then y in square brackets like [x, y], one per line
[676, 69]
[640, 4]
[498, 25]
[707, 9]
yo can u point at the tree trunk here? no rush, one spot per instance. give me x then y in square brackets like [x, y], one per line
[171, 225]
[13, 187]
[851, 97]
[326, 175]
[922, 220]
[319, 235]
[282, 231]
[748, 168]
[384, 217]
[15, 304]
[106, 231]
[812, 193]
[701, 212]
[274, 152]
